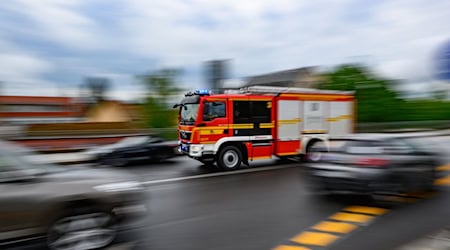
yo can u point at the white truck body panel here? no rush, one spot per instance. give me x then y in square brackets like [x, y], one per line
[289, 119]
[341, 118]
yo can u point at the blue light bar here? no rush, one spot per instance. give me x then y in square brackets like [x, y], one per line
[202, 92]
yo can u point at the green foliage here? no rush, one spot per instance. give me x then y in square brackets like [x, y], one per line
[376, 102]
[161, 85]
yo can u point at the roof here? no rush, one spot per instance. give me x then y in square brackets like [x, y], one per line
[36, 100]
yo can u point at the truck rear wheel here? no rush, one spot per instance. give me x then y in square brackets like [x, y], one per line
[230, 158]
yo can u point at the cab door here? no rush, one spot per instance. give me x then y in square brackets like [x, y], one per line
[215, 121]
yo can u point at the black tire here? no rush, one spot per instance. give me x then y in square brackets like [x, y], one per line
[230, 158]
[310, 154]
[82, 229]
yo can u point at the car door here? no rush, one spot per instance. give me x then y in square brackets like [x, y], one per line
[20, 205]
[411, 165]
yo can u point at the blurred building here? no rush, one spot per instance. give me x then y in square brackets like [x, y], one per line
[112, 111]
[40, 109]
[216, 73]
[306, 77]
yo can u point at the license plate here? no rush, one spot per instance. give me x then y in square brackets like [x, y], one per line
[184, 148]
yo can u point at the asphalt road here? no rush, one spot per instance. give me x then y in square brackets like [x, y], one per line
[267, 206]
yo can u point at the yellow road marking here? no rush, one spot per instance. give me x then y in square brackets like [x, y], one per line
[443, 168]
[351, 217]
[315, 239]
[285, 247]
[366, 210]
[442, 181]
[335, 227]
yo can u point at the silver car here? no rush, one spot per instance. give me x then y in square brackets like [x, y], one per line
[373, 163]
[64, 207]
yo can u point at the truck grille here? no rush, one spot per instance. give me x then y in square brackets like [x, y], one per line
[185, 135]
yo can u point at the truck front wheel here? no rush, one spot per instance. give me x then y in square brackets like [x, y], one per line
[230, 158]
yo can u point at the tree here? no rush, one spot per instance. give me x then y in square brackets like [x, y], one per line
[97, 87]
[161, 86]
[376, 101]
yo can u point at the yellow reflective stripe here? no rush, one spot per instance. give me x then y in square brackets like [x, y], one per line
[288, 153]
[242, 126]
[211, 127]
[290, 121]
[339, 118]
[314, 131]
[266, 125]
[211, 131]
[318, 97]
[261, 157]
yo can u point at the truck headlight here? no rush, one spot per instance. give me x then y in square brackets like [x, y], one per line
[196, 148]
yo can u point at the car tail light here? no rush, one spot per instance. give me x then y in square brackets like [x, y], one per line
[372, 162]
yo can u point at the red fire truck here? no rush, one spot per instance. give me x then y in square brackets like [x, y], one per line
[260, 122]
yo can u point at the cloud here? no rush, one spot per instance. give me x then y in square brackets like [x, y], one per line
[60, 22]
[67, 40]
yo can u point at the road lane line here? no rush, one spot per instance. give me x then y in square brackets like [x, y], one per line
[286, 247]
[335, 227]
[315, 238]
[350, 217]
[217, 174]
[443, 181]
[366, 210]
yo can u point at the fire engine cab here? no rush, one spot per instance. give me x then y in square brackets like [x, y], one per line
[260, 122]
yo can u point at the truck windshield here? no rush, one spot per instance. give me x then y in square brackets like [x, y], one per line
[189, 114]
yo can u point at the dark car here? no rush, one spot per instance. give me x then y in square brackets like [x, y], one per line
[133, 149]
[65, 207]
[373, 163]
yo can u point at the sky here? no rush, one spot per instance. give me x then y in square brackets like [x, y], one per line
[48, 47]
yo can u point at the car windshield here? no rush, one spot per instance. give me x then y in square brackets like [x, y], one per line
[353, 146]
[133, 140]
[189, 113]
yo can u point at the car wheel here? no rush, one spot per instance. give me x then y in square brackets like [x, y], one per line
[313, 155]
[230, 158]
[82, 230]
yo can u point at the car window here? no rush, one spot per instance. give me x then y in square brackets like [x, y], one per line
[363, 147]
[397, 146]
[213, 110]
[133, 140]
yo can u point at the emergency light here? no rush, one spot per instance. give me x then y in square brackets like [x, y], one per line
[202, 92]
